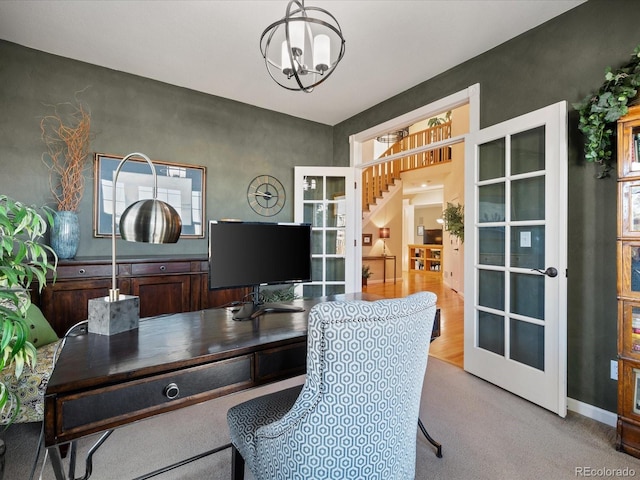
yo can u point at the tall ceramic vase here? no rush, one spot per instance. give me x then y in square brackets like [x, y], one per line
[65, 234]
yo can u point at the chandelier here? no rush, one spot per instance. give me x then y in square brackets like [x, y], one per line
[302, 49]
[393, 137]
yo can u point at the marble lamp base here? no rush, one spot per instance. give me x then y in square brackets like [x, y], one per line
[111, 317]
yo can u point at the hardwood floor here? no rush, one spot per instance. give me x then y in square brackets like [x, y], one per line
[449, 345]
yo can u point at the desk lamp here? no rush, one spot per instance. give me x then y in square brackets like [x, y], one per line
[384, 233]
[149, 221]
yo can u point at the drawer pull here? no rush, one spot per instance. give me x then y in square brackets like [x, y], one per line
[162, 268]
[82, 271]
[171, 391]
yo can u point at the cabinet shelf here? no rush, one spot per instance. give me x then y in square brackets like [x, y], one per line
[425, 259]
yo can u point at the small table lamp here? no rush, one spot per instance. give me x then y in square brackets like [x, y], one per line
[384, 233]
[149, 221]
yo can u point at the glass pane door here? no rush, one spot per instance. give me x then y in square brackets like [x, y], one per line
[511, 227]
[516, 223]
[322, 200]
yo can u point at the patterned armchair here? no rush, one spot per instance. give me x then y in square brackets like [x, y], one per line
[356, 416]
[32, 384]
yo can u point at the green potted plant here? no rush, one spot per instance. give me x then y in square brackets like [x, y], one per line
[599, 111]
[23, 261]
[366, 273]
[435, 121]
[453, 217]
[274, 295]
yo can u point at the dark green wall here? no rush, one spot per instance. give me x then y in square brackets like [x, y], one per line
[563, 59]
[234, 141]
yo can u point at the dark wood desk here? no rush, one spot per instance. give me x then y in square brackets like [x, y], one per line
[169, 362]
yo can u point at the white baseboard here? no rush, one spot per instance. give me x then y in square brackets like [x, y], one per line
[595, 413]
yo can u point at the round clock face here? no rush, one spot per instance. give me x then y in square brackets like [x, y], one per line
[266, 195]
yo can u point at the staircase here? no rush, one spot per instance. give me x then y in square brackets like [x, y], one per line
[380, 178]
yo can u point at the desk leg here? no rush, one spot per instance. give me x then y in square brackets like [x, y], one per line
[395, 265]
[56, 463]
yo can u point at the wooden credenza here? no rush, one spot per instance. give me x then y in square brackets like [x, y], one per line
[174, 284]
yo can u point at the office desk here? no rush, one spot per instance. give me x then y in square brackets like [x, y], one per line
[384, 259]
[169, 362]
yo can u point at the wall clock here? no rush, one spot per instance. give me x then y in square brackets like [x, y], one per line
[266, 195]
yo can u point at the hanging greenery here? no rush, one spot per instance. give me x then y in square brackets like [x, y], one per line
[453, 217]
[599, 112]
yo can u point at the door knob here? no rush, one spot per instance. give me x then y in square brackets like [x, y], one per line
[549, 272]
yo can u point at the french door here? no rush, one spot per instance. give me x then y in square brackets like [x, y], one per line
[516, 256]
[325, 198]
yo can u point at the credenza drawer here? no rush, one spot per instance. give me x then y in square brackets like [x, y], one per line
[84, 271]
[127, 400]
[160, 268]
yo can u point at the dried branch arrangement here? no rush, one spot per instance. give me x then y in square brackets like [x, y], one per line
[66, 133]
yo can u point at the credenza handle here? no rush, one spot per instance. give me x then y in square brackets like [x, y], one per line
[171, 391]
[82, 271]
[162, 268]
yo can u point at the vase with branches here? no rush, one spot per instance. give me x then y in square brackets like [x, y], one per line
[66, 133]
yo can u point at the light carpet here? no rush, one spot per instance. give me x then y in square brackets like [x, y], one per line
[486, 433]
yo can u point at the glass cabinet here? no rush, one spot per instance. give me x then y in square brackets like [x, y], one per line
[628, 268]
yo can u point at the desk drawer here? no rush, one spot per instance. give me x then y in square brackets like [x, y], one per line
[111, 405]
[281, 362]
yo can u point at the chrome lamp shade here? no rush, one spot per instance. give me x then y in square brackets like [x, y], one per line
[149, 221]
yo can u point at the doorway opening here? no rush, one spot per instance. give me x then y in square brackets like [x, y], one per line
[411, 212]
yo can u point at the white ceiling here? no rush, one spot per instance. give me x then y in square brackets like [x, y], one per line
[213, 46]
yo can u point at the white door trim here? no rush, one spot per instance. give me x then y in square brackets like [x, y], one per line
[470, 95]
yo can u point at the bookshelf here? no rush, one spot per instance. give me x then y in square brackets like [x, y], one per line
[628, 269]
[425, 259]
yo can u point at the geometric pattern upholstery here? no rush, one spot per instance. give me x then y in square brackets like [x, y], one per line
[356, 415]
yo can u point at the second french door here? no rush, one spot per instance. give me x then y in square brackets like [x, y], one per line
[516, 256]
[324, 197]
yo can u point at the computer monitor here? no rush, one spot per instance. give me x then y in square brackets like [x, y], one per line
[250, 254]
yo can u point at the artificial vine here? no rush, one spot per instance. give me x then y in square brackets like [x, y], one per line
[599, 111]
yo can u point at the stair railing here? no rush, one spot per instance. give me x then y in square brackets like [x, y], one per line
[376, 179]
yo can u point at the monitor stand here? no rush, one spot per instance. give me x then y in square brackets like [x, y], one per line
[254, 308]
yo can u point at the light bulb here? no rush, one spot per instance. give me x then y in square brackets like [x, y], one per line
[321, 52]
[286, 61]
[296, 36]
